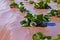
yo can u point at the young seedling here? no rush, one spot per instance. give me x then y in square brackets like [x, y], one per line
[54, 13]
[56, 1]
[47, 38]
[36, 20]
[57, 37]
[58, 13]
[37, 36]
[42, 5]
[45, 20]
[46, 1]
[31, 1]
[40, 36]
[13, 5]
[19, 6]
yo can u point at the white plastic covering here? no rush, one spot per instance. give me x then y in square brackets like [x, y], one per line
[10, 28]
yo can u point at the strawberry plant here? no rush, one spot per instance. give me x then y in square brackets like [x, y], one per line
[40, 36]
[19, 6]
[35, 20]
[56, 1]
[54, 13]
[31, 1]
[57, 37]
[42, 5]
[13, 5]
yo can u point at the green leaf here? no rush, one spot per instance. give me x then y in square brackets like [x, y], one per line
[14, 5]
[40, 17]
[37, 36]
[57, 1]
[53, 12]
[21, 3]
[33, 23]
[54, 0]
[31, 1]
[36, 20]
[40, 36]
[47, 1]
[46, 18]
[24, 23]
[57, 37]
[47, 37]
[29, 15]
[58, 12]
[41, 5]
[36, 6]
[21, 8]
